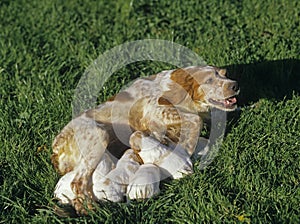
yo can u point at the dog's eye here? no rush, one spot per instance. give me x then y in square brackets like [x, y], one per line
[209, 81]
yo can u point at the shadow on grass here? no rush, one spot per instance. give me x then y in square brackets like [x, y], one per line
[274, 80]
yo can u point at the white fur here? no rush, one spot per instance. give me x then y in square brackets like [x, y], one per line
[145, 182]
[63, 191]
[174, 162]
[164, 76]
[113, 186]
[104, 167]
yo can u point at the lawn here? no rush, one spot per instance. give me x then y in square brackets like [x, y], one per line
[45, 47]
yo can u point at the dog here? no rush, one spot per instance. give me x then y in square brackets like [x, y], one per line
[168, 106]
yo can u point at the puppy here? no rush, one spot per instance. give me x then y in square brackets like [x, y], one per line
[63, 190]
[173, 161]
[113, 186]
[145, 182]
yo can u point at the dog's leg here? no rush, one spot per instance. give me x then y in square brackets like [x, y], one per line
[179, 127]
[189, 132]
[80, 147]
[201, 148]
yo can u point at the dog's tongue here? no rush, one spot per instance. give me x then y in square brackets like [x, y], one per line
[230, 101]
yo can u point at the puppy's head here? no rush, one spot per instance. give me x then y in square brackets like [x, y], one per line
[200, 88]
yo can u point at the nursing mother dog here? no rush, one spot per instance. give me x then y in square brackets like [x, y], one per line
[165, 108]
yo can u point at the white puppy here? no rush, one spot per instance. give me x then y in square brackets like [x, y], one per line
[144, 183]
[106, 165]
[63, 191]
[113, 186]
[173, 161]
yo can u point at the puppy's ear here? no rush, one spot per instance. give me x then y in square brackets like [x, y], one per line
[181, 83]
[222, 72]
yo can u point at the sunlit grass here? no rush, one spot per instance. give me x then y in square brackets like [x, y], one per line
[45, 47]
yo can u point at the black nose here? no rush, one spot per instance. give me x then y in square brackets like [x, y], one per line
[235, 86]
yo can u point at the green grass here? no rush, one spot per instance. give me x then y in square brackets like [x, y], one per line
[45, 46]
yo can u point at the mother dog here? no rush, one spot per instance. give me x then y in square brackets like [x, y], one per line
[167, 106]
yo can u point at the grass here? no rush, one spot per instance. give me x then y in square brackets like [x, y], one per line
[45, 46]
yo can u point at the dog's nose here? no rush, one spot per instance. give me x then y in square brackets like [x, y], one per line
[235, 86]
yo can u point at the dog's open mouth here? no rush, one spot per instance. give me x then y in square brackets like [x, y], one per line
[227, 103]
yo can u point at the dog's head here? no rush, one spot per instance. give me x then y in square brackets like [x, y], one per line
[200, 88]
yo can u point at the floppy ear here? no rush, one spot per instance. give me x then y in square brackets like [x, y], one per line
[181, 84]
[222, 72]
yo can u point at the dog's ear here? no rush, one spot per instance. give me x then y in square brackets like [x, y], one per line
[222, 72]
[181, 83]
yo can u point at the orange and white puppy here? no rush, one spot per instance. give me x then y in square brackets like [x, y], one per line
[63, 191]
[113, 186]
[173, 161]
[145, 182]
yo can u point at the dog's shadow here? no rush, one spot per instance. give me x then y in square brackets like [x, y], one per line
[273, 80]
